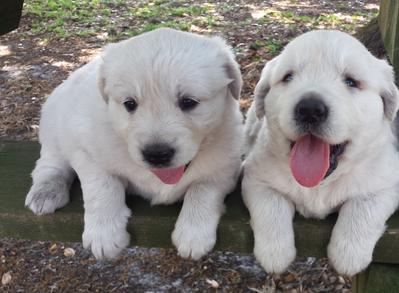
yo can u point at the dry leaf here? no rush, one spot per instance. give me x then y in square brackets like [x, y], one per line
[213, 283]
[6, 279]
[69, 252]
[53, 248]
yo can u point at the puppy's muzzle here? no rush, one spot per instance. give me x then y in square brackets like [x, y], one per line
[158, 155]
[311, 111]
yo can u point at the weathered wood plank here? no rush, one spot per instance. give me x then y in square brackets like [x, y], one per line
[389, 25]
[150, 225]
[378, 278]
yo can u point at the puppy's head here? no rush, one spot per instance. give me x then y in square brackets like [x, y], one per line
[166, 91]
[325, 96]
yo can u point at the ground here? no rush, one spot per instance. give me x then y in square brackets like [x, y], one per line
[66, 267]
[56, 37]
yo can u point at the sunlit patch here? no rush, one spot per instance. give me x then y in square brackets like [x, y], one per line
[4, 51]
[197, 29]
[14, 71]
[372, 6]
[88, 54]
[43, 42]
[258, 14]
[102, 36]
[63, 64]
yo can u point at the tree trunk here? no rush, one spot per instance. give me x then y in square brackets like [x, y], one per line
[370, 36]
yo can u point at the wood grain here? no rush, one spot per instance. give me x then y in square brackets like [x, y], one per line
[150, 226]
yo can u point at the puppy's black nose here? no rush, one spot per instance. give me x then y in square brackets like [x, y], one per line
[311, 111]
[158, 155]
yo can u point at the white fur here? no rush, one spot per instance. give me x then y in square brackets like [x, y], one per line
[364, 187]
[86, 129]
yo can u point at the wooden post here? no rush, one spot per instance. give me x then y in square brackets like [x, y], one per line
[383, 277]
[388, 21]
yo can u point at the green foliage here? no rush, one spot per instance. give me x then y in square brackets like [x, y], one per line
[346, 21]
[65, 18]
[273, 46]
[270, 45]
[116, 19]
[162, 10]
[58, 16]
[181, 25]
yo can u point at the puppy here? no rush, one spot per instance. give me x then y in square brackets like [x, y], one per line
[325, 144]
[156, 114]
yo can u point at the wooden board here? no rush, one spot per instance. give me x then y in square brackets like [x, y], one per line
[378, 278]
[150, 226]
[388, 20]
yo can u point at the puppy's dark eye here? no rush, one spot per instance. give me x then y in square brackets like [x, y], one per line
[187, 104]
[130, 104]
[288, 77]
[349, 81]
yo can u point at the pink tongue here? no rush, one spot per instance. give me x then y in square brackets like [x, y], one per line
[310, 160]
[169, 176]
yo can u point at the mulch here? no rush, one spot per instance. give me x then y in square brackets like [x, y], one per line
[42, 266]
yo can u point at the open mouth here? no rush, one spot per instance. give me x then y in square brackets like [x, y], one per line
[313, 159]
[170, 175]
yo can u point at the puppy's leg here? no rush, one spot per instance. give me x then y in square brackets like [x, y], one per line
[106, 214]
[52, 178]
[360, 224]
[195, 229]
[271, 221]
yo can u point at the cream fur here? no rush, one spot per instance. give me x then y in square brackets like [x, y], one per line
[364, 187]
[85, 129]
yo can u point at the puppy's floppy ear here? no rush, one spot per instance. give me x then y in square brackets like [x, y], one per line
[390, 98]
[230, 66]
[262, 88]
[233, 72]
[101, 81]
[389, 93]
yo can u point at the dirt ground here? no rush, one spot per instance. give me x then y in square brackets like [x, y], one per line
[34, 61]
[54, 267]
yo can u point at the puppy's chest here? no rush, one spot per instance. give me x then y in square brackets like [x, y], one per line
[154, 190]
[310, 202]
[315, 204]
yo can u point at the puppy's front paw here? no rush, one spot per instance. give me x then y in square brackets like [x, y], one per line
[46, 197]
[193, 241]
[107, 239]
[274, 256]
[349, 257]
[105, 242]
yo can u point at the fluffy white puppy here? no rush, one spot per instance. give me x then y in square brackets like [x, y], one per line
[158, 114]
[326, 145]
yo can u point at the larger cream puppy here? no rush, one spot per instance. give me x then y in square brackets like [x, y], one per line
[157, 114]
[326, 144]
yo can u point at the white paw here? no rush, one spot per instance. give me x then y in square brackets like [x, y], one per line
[274, 256]
[46, 197]
[106, 239]
[193, 241]
[349, 257]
